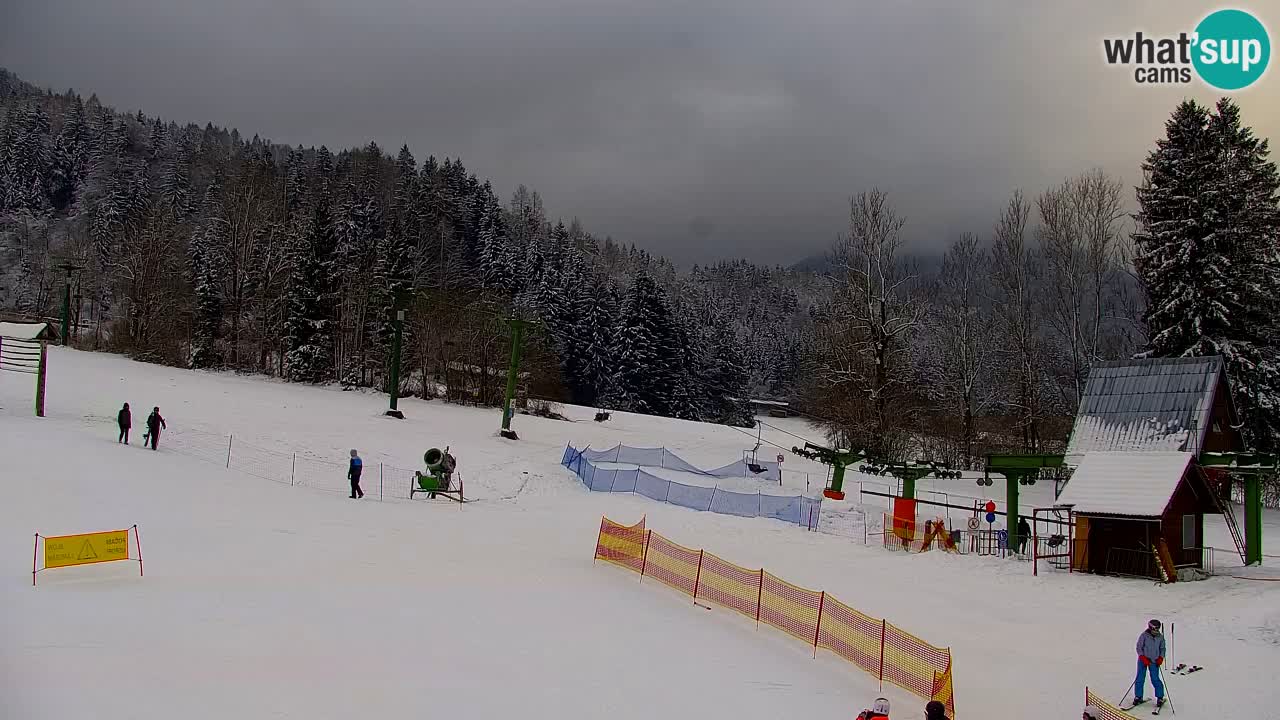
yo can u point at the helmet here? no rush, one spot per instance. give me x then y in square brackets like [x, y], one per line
[1153, 624]
[353, 453]
[1092, 712]
[881, 706]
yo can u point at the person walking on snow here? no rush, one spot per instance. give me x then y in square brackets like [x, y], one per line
[935, 710]
[353, 474]
[1024, 534]
[125, 420]
[879, 711]
[1150, 657]
[154, 423]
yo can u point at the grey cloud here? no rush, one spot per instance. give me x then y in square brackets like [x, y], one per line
[698, 130]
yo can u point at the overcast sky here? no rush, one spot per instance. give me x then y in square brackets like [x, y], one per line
[699, 129]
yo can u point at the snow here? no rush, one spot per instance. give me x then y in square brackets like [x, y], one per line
[21, 331]
[265, 600]
[1137, 484]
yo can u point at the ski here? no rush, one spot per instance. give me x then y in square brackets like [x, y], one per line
[1184, 670]
[1127, 708]
[1179, 669]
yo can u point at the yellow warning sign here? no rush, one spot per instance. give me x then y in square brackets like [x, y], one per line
[99, 547]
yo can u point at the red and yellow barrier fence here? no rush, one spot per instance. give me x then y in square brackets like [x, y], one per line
[812, 616]
[1106, 711]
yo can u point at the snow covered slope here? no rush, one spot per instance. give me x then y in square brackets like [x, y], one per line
[264, 600]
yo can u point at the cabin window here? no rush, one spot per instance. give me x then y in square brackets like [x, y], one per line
[1216, 427]
[1188, 531]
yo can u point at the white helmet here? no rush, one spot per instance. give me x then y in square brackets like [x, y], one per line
[881, 705]
[1092, 712]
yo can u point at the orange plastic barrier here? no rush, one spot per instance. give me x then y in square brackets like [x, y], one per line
[621, 544]
[812, 616]
[1106, 710]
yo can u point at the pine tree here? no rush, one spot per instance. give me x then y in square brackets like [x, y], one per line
[1208, 254]
[309, 313]
[208, 261]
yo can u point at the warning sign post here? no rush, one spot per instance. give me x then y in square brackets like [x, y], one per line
[85, 549]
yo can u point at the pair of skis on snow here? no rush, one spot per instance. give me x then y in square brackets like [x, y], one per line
[1159, 706]
[1184, 670]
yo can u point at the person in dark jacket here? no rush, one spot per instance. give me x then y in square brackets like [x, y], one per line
[154, 423]
[1150, 657]
[1024, 534]
[353, 474]
[125, 420]
[935, 711]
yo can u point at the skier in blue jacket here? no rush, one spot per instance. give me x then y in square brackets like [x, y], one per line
[353, 474]
[1150, 658]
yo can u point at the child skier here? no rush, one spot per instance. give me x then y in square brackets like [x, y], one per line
[1150, 657]
[879, 711]
[154, 423]
[353, 474]
[1091, 712]
[935, 710]
[125, 420]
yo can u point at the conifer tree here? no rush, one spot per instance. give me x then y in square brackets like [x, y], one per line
[1208, 255]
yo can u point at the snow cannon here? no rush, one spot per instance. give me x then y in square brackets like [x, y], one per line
[437, 479]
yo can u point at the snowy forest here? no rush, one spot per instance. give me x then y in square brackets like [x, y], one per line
[194, 246]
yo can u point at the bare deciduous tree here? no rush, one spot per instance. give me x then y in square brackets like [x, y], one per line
[1080, 230]
[865, 355]
[1017, 274]
[956, 348]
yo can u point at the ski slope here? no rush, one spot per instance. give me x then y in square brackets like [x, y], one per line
[265, 600]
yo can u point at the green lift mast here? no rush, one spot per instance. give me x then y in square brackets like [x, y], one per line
[837, 459]
[1017, 470]
[1253, 466]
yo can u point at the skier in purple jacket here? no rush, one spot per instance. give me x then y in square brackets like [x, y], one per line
[1150, 657]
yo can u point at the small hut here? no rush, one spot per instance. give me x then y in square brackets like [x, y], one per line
[1137, 491]
[1138, 513]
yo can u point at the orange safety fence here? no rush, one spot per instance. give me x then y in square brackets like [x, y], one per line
[1106, 711]
[812, 616]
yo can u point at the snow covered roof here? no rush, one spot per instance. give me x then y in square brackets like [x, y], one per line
[25, 331]
[1135, 484]
[1152, 404]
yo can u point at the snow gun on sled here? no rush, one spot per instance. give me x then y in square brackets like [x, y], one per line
[438, 480]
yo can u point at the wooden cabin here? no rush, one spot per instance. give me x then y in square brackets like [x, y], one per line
[1137, 491]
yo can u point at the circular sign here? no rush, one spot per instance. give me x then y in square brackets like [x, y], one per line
[973, 523]
[990, 506]
[991, 517]
[780, 457]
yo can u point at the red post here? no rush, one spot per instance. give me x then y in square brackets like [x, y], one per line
[138, 539]
[884, 627]
[644, 555]
[698, 578]
[817, 630]
[35, 547]
[759, 598]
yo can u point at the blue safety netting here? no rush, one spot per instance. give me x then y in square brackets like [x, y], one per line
[798, 509]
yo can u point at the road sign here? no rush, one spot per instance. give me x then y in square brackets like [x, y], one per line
[780, 457]
[991, 517]
[973, 523]
[990, 506]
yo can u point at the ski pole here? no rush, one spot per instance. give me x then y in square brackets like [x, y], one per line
[1126, 692]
